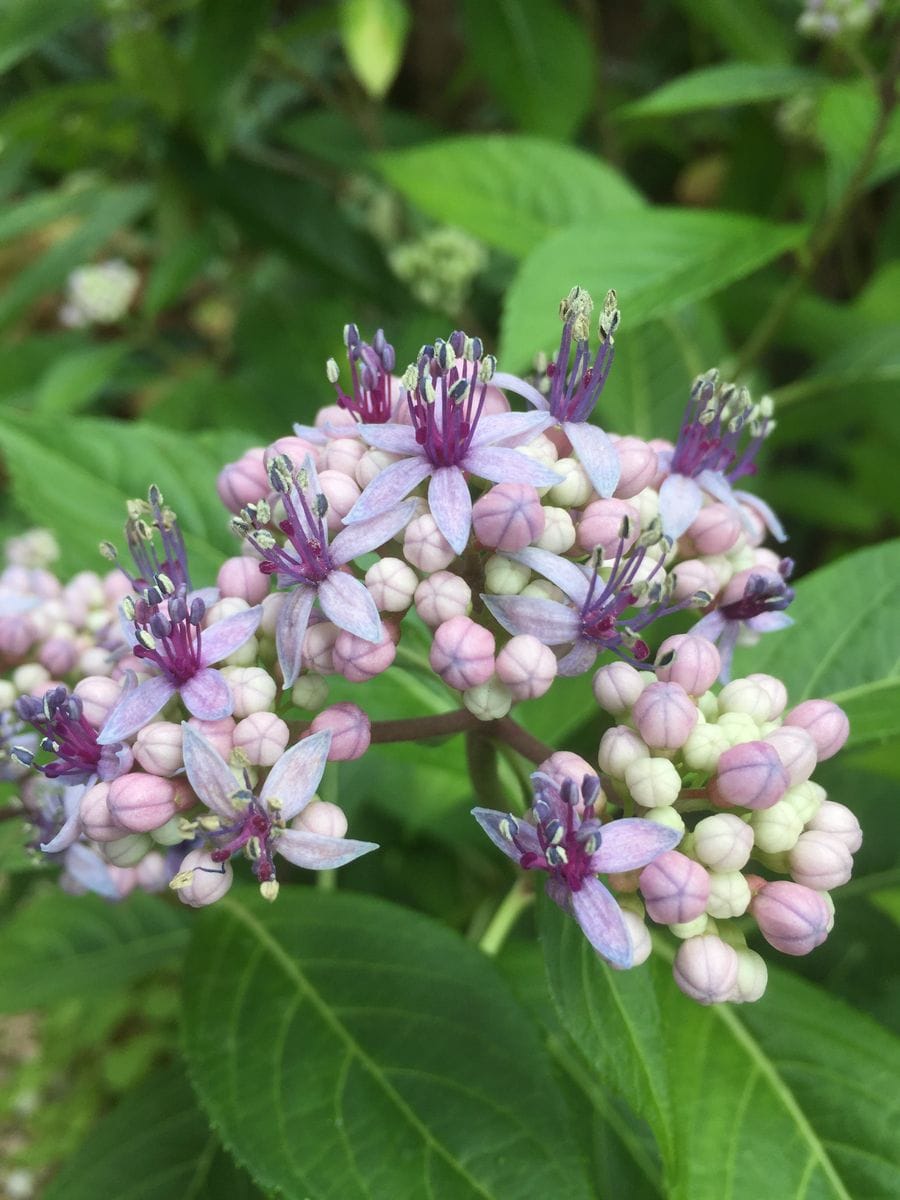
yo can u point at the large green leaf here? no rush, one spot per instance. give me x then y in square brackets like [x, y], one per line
[785, 1098]
[56, 945]
[720, 86]
[374, 33]
[155, 1145]
[845, 641]
[347, 1048]
[26, 25]
[658, 260]
[508, 190]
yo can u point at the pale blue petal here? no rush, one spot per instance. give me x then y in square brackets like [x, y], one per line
[680, 500]
[290, 630]
[207, 695]
[763, 510]
[512, 383]
[347, 604]
[595, 451]
[567, 576]
[294, 778]
[499, 426]
[364, 536]
[88, 870]
[769, 622]
[502, 464]
[580, 658]
[632, 842]
[136, 709]
[316, 852]
[550, 622]
[208, 774]
[228, 635]
[451, 506]
[396, 439]
[309, 433]
[389, 487]
[602, 923]
[526, 834]
[710, 627]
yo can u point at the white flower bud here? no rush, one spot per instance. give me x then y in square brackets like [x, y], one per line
[310, 692]
[29, 677]
[670, 817]
[254, 690]
[653, 782]
[752, 977]
[619, 747]
[708, 704]
[372, 463]
[820, 861]
[738, 728]
[576, 489]
[441, 597]
[617, 685]
[776, 829]
[722, 842]
[742, 696]
[689, 929]
[639, 934]
[392, 584]
[806, 799]
[503, 577]
[245, 655]
[425, 546]
[488, 701]
[705, 969]
[543, 589]
[541, 449]
[647, 504]
[200, 880]
[559, 531]
[840, 822]
[729, 894]
[227, 607]
[704, 745]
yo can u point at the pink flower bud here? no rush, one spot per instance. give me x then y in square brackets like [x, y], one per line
[774, 689]
[299, 449]
[59, 655]
[692, 576]
[526, 666]
[97, 821]
[241, 577]
[342, 455]
[797, 751]
[840, 822]
[826, 724]
[694, 663]
[601, 524]
[359, 660]
[442, 596]
[318, 647]
[141, 802]
[664, 715]
[391, 584]
[618, 685]
[675, 888]
[219, 734]
[207, 881]
[341, 492]
[95, 661]
[715, 529]
[263, 737]
[98, 695]
[157, 748]
[243, 482]
[792, 918]
[152, 872]
[333, 414]
[565, 764]
[706, 969]
[254, 690]
[323, 818]
[351, 731]
[749, 775]
[16, 636]
[462, 653]
[619, 748]
[425, 546]
[508, 517]
[820, 860]
[637, 466]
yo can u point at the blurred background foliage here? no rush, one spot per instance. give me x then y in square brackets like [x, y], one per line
[263, 172]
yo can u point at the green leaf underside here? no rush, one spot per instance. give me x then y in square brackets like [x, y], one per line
[56, 946]
[720, 86]
[722, 1087]
[347, 1048]
[658, 261]
[844, 644]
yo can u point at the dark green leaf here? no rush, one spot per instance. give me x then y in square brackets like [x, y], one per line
[75, 379]
[749, 30]
[26, 25]
[721, 86]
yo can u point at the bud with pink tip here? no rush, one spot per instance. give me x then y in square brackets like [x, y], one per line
[98, 695]
[638, 466]
[323, 818]
[619, 747]
[749, 775]
[318, 647]
[152, 872]
[558, 535]
[262, 737]
[240, 577]
[425, 546]
[792, 918]
[219, 734]
[526, 666]
[243, 482]
[59, 655]
[675, 888]
[341, 492]
[692, 577]
[604, 522]
[797, 751]
[744, 696]
[201, 881]
[351, 731]
[752, 977]
[298, 449]
[706, 969]
[775, 690]
[508, 517]
[617, 686]
[157, 748]
[839, 821]
[664, 715]
[96, 820]
[441, 597]
[565, 764]
[715, 529]
[462, 653]
[825, 722]
[820, 860]
[141, 802]
[688, 660]
[392, 584]
[653, 782]
[254, 690]
[359, 660]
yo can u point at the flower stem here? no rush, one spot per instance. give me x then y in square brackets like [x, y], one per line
[515, 902]
[481, 759]
[521, 740]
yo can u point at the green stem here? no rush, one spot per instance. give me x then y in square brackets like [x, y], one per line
[515, 902]
[481, 760]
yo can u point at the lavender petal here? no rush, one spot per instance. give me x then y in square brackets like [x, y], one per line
[71, 829]
[290, 629]
[680, 499]
[389, 487]
[502, 464]
[567, 576]
[632, 842]
[596, 453]
[316, 852]
[520, 387]
[580, 658]
[89, 871]
[228, 635]
[395, 439]
[711, 627]
[763, 510]
[601, 922]
[346, 602]
[363, 536]
[313, 435]
[451, 506]
[497, 427]
[294, 778]
[552, 623]
[207, 695]
[769, 622]
[493, 822]
[137, 707]
[208, 774]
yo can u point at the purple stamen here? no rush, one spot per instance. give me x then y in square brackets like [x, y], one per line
[167, 633]
[146, 520]
[446, 393]
[574, 391]
[567, 839]
[307, 558]
[59, 719]
[605, 603]
[255, 831]
[715, 421]
[370, 372]
[762, 594]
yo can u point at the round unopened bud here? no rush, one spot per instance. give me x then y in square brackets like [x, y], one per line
[776, 829]
[752, 977]
[508, 517]
[241, 577]
[441, 597]
[838, 821]
[359, 660]
[744, 696]
[637, 466]
[488, 701]
[127, 851]
[653, 782]
[323, 818]
[59, 655]
[219, 734]
[254, 690]
[689, 929]
[704, 747]
[738, 728]
[372, 463]
[96, 820]
[825, 722]
[775, 690]
[723, 842]
[342, 492]
[619, 747]
[227, 606]
[310, 692]
[391, 584]
[618, 685]
[30, 677]
[170, 834]
[271, 607]
[543, 589]
[603, 523]
[504, 577]
[243, 482]
[688, 660]
[666, 816]
[342, 455]
[141, 802]
[462, 653]
[664, 715]
[262, 737]
[691, 577]
[675, 888]
[98, 695]
[425, 546]
[318, 647]
[526, 666]
[157, 748]
[806, 799]
[791, 917]
[749, 776]
[820, 860]
[351, 731]
[565, 764]
[729, 894]
[201, 881]
[559, 531]
[576, 489]
[715, 529]
[706, 969]
[638, 935]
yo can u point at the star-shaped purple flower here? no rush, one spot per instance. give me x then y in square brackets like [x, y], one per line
[573, 391]
[754, 600]
[573, 847]
[448, 438]
[259, 823]
[372, 401]
[78, 756]
[308, 566]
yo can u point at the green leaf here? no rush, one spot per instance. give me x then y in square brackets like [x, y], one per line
[536, 59]
[75, 379]
[844, 644]
[56, 946]
[887, 160]
[26, 25]
[374, 33]
[721, 86]
[749, 30]
[868, 363]
[785, 1097]
[175, 270]
[844, 123]
[345, 1048]
[75, 477]
[155, 1145]
[658, 260]
[508, 190]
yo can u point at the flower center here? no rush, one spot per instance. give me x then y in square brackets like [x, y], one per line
[167, 629]
[254, 831]
[59, 718]
[147, 520]
[568, 838]
[305, 557]
[446, 389]
[575, 389]
[717, 417]
[370, 371]
[762, 594]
